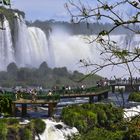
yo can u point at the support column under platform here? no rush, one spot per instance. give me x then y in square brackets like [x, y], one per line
[51, 108]
[91, 99]
[13, 109]
[99, 97]
[106, 95]
[113, 89]
[24, 110]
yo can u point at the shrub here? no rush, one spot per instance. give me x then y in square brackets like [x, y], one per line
[134, 97]
[27, 134]
[3, 131]
[39, 125]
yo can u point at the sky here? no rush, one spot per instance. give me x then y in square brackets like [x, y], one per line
[49, 9]
[46, 9]
[42, 9]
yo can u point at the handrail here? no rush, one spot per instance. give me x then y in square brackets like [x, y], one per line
[56, 95]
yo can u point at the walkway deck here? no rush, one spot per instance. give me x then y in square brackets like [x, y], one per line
[53, 99]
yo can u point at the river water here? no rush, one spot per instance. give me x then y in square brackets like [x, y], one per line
[115, 98]
[59, 131]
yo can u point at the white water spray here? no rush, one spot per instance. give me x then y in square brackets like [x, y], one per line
[60, 50]
[53, 133]
[6, 46]
[31, 45]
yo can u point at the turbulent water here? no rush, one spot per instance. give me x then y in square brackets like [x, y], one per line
[53, 133]
[31, 47]
[6, 47]
[58, 130]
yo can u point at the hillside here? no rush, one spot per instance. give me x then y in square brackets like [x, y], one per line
[43, 76]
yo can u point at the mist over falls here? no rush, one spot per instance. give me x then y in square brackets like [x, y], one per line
[31, 46]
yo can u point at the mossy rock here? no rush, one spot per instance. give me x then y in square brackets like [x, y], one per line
[58, 126]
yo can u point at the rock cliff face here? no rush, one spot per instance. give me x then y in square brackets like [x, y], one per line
[9, 14]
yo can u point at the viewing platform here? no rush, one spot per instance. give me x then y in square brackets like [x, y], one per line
[25, 99]
[128, 85]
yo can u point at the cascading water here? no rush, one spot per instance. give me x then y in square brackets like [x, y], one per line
[68, 50]
[6, 46]
[31, 47]
[53, 133]
[39, 44]
[22, 45]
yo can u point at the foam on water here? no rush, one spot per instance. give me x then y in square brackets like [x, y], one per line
[131, 112]
[53, 133]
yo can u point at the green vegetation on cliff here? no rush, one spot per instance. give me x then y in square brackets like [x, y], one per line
[134, 97]
[5, 105]
[88, 116]
[10, 129]
[9, 14]
[100, 122]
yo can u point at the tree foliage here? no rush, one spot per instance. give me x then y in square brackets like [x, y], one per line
[135, 97]
[42, 76]
[10, 129]
[5, 105]
[100, 122]
[88, 116]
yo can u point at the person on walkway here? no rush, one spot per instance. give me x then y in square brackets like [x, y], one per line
[34, 94]
[49, 93]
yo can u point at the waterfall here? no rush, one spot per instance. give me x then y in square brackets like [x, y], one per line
[22, 46]
[6, 46]
[39, 44]
[68, 50]
[53, 133]
[31, 47]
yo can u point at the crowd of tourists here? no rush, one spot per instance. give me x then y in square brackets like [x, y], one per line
[19, 91]
[128, 80]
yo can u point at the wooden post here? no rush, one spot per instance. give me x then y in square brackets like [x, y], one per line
[51, 107]
[99, 97]
[13, 109]
[106, 95]
[113, 89]
[91, 99]
[24, 110]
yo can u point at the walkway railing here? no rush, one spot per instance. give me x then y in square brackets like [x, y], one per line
[56, 95]
[90, 90]
[124, 82]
